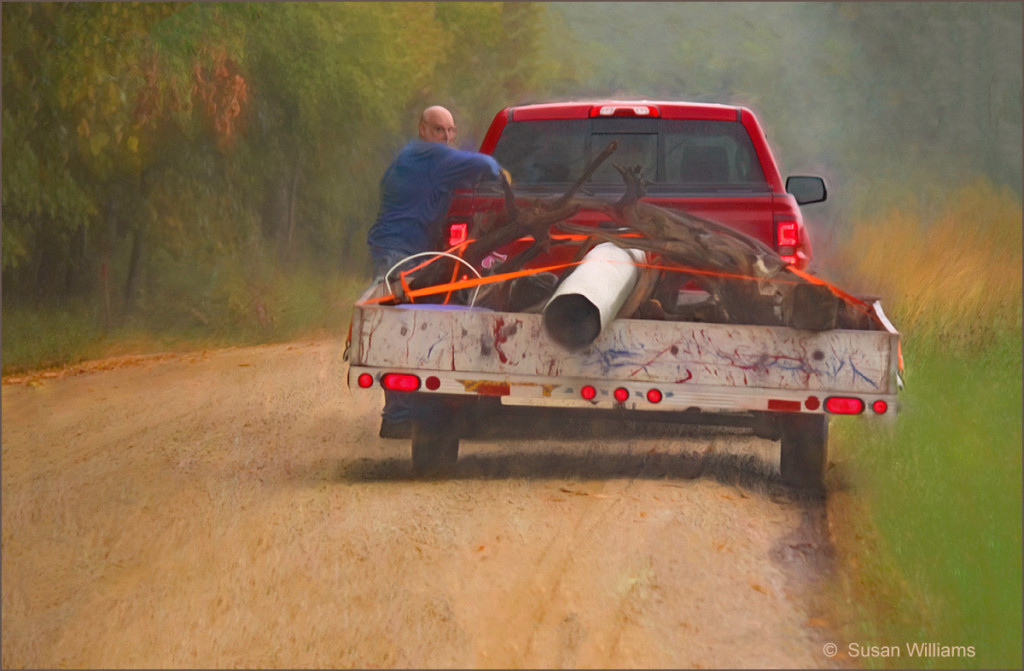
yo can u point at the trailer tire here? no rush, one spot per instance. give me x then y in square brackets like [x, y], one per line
[804, 451]
[434, 449]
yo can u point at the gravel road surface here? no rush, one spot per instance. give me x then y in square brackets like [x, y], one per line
[236, 508]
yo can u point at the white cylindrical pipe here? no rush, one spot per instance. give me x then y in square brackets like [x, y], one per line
[588, 299]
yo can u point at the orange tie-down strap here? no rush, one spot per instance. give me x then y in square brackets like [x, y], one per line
[475, 282]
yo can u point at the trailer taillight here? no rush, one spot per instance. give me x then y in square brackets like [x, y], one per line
[457, 233]
[843, 405]
[588, 393]
[654, 396]
[365, 380]
[400, 382]
[621, 394]
[880, 406]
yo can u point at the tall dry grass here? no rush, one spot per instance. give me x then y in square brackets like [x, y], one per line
[954, 278]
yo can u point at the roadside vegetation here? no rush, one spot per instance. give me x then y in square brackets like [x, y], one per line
[279, 307]
[926, 512]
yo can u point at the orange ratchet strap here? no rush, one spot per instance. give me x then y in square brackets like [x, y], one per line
[468, 284]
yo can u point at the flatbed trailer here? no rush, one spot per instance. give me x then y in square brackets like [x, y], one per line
[782, 382]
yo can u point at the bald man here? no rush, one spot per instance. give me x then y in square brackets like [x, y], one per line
[417, 188]
[415, 193]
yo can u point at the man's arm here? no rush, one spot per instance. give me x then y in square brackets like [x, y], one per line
[461, 168]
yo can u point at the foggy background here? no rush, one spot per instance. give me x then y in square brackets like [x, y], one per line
[884, 100]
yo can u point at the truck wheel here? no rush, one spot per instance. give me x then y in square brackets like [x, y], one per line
[434, 449]
[804, 451]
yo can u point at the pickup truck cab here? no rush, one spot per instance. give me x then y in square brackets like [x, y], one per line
[709, 160]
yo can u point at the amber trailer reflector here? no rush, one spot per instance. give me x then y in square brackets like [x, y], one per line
[654, 396]
[621, 395]
[588, 393]
[880, 406]
[841, 405]
[365, 380]
[400, 382]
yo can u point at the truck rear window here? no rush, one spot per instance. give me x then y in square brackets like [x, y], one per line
[677, 152]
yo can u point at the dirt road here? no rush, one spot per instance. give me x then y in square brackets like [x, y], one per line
[236, 508]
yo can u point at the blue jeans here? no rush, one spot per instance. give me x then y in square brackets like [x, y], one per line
[399, 406]
[383, 260]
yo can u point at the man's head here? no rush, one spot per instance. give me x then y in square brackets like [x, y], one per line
[437, 125]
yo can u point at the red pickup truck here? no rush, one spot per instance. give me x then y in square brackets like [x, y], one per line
[709, 160]
[476, 362]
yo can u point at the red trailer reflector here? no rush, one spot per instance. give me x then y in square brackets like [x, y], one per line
[365, 380]
[654, 396]
[812, 403]
[880, 406]
[588, 393]
[842, 405]
[433, 383]
[785, 406]
[621, 395]
[400, 382]
[493, 389]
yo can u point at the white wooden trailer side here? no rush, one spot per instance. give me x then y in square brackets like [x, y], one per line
[716, 365]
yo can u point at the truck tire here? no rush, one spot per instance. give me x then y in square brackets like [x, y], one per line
[804, 451]
[435, 449]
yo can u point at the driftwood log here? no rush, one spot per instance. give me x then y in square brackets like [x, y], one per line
[746, 280]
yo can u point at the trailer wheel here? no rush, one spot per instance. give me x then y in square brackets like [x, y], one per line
[434, 448]
[804, 451]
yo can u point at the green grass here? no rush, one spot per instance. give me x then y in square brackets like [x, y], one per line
[928, 537]
[286, 307]
[943, 489]
[35, 338]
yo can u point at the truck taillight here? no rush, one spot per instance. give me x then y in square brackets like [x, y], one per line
[457, 233]
[400, 382]
[654, 396]
[787, 234]
[588, 393]
[365, 381]
[844, 405]
[621, 395]
[792, 249]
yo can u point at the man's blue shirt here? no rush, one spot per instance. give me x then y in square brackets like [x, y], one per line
[416, 190]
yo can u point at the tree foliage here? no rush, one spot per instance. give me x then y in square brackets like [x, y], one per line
[144, 140]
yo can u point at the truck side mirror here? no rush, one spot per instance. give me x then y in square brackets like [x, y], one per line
[806, 189]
